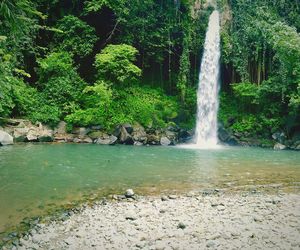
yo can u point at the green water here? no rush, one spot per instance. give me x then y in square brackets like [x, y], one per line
[35, 176]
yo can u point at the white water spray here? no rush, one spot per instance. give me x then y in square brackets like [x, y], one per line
[207, 94]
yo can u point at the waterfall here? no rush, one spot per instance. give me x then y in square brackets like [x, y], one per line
[208, 88]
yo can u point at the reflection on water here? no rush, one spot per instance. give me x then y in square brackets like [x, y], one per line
[32, 176]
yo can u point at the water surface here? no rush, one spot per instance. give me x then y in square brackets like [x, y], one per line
[34, 177]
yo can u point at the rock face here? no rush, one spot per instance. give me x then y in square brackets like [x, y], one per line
[5, 138]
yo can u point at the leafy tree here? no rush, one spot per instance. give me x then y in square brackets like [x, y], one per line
[59, 82]
[115, 64]
[77, 37]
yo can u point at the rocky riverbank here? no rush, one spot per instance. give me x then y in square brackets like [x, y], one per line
[192, 221]
[18, 130]
[25, 131]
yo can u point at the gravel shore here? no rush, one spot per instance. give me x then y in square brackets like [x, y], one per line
[224, 221]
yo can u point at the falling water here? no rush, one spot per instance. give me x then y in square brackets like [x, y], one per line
[207, 94]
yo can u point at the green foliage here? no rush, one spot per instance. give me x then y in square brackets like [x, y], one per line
[106, 107]
[77, 37]
[261, 49]
[115, 64]
[59, 82]
[246, 92]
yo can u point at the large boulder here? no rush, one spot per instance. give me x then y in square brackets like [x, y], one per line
[164, 141]
[128, 127]
[279, 137]
[226, 136]
[185, 136]
[46, 135]
[61, 128]
[223, 134]
[139, 134]
[110, 140]
[125, 137]
[32, 135]
[97, 134]
[81, 131]
[279, 146]
[5, 138]
[153, 139]
[20, 134]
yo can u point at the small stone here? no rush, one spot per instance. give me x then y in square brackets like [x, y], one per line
[257, 219]
[130, 217]
[210, 244]
[162, 211]
[129, 193]
[221, 207]
[181, 225]
[164, 198]
[172, 197]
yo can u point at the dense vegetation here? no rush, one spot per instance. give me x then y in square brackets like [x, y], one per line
[107, 62]
[261, 67]
[100, 61]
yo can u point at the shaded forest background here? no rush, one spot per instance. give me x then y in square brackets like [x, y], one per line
[106, 62]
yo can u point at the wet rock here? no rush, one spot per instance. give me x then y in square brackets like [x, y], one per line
[137, 143]
[164, 141]
[5, 139]
[129, 193]
[279, 146]
[185, 136]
